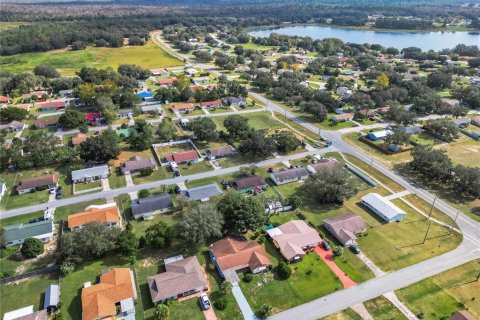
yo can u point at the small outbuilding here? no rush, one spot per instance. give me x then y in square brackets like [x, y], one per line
[52, 297]
[383, 208]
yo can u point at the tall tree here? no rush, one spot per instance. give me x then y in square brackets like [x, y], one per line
[200, 223]
[242, 213]
[71, 119]
[204, 129]
[431, 163]
[101, 148]
[166, 130]
[237, 126]
[331, 186]
[142, 135]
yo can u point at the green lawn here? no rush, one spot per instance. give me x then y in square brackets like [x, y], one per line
[258, 120]
[382, 309]
[72, 284]
[440, 296]
[67, 61]
[12, 262]
[298, 289]
[116, 179]
[82, 186]
[28, 292]
[186, 169]
[160, 173]
[347, 314]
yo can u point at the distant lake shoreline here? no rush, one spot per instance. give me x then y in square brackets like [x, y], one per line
[400, 39]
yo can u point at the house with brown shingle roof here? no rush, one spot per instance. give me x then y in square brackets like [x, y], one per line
[182, 277]
[135, 164]
[220, 152]
[293, 238]
[342, 117]
[107, 214]
[116, 291]
[42, 123]
[345, 227]
[233, 255]
[182, 107]
[43, 182]
[322, 164]
[249, 183]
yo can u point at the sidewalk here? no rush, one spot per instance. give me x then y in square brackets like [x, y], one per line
[327, 256]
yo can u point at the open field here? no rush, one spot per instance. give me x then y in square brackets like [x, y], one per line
[25, 293]
[347, 314]
[440, 296]
[67, 62]
[464, 151]
[382, 309]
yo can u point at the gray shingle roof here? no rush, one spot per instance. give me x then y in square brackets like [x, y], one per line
[157, 202]
[203, 192]
[90, 172]
[294, 173]
[27, 230]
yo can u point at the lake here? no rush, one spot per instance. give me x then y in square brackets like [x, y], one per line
[397, 39]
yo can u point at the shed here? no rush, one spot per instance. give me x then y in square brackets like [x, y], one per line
[383, 208]
[378, 135]
[52, 297]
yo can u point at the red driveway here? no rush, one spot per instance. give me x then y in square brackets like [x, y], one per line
[327, 257]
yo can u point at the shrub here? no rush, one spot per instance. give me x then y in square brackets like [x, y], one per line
[337, 251]
[248, 278]
[221, 303]
[295, 201]
[284, 271]
[161, 312]
[144, 193]
[146, 172]
[309, 272]
[265, 311]
[67, 267]
[31, 248]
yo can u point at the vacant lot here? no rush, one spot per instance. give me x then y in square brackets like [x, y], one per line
[382, 309]
[67, 61]
[440, 296]
[464, 151]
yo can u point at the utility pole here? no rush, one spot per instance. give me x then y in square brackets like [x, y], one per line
[455, 220]
[426, 233]
[370, 169]
[431, 208]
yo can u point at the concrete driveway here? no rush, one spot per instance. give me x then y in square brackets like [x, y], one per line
[242, 303]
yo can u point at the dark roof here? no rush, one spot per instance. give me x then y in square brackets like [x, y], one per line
[27, 230]
[294, 173]
[220, 151]
[157, 202]
[203, 192]
[30, 183]
[249, 182]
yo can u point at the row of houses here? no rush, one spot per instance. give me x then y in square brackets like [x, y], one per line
[183, 107]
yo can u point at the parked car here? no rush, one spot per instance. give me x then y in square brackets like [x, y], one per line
[51, 190]
[328, 144]
[177, 190]
[58, 195]
[204, 301]
[355, 249]
[326, 245]
[176, 173]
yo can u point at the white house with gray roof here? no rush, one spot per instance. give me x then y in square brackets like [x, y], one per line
[88, 174]
[146, 208]
[202, 193]
[383, 208]
[17, 233]
[289, 175]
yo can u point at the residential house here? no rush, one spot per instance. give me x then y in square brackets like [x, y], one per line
[4, 100]
[344, 92]
[28, 185]
[79, 138]
[289, 175]
[476, 121]
[146, 208]
[107, 214]
[342, 117]
[202, 193]
[200, 80]
[220, 152]
[293, 238]
[151, 109]
[234, 101]
[211, 104]
[159, 72]
[136, 164]
[166, 82]
[368, 113]
[13, 126]
[462, 315]
[450, 102]
[25, 313]
[114, 295]
[93, 118]
[182, 278]
[250, 183]
[378, 135]
[234, 255]
[145, 96]
[52, 297]
[65, 93]
[190, 71]
[383, 208]
[89, 174]
[322, 164]
[189, 156]
[52, 106]
[37, 94]
[17, 233]
[411, 129]
[345, 227]
[42, 123]
[182, 107]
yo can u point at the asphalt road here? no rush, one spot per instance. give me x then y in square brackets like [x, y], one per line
[149, 185]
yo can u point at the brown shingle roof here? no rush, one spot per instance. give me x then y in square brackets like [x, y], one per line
[235, 253]
[182, 106]
[79, 138]
[325, 163]
[100, 215]
[345, 226]
[45, 122]
[220, 151]
[180, 277]
[36, 182]
[98, 301]
[295, 235]
[136, 163]
[249, 182]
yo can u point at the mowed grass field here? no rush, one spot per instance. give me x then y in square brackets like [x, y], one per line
[440, 296]
[67, 62]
